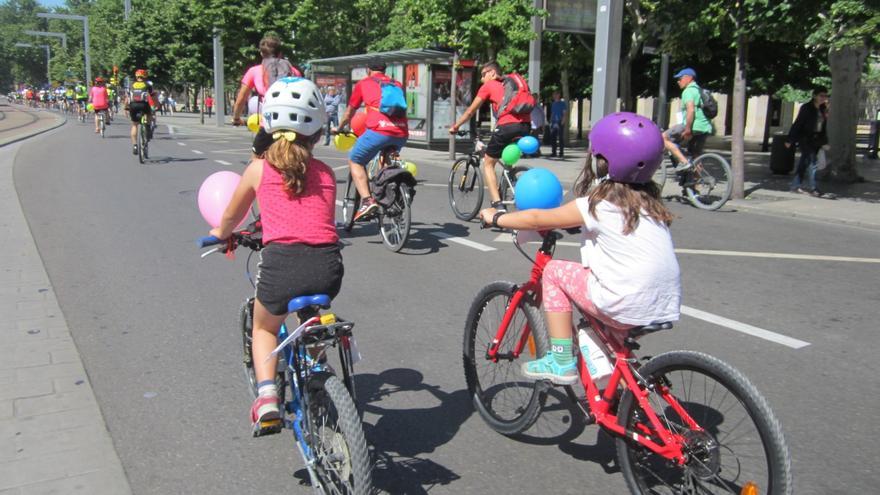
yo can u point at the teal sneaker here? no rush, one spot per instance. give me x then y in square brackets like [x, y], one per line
[547, 368]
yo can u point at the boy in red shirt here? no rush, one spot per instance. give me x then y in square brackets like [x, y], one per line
[509, 126]
[382, 131]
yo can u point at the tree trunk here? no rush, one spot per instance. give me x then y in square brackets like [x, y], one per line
[846, 72]
[737, 143]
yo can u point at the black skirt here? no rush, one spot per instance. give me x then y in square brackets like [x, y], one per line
[287, 271]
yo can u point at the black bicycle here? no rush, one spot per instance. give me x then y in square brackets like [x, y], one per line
[466, 182]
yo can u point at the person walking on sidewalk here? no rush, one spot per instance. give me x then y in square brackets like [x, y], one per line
[558, 118]
[209, 105]
[331, 102]
[809, 133]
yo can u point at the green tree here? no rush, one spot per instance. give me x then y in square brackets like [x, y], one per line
[848, 30]
[20, 65]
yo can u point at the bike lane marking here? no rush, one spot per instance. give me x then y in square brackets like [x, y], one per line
[197, 152]
[463, 241]
[744, 328]
[788, 256]
[223, 162]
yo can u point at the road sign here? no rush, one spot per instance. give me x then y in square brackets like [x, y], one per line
[572, 16]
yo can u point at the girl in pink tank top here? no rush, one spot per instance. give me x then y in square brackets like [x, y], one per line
[297, 197]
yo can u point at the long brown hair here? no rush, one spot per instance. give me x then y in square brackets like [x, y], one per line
[632, 199]
[291, 159]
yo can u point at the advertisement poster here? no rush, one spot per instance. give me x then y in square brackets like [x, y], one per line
[441, 91]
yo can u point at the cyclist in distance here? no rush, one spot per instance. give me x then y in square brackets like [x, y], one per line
[259, 78]
[695, 126]
[509, 127]
[99, 99]
[628, 274]
[382, 131]
[82, 96]
[297, 197]
[137, 102]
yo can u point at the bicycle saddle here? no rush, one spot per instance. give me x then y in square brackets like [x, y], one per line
[298, 303]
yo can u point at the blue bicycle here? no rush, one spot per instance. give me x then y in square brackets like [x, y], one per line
[321, 409]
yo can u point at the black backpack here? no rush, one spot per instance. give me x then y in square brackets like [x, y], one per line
[708, 104]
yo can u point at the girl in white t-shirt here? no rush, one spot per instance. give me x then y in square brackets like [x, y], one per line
[628, 274]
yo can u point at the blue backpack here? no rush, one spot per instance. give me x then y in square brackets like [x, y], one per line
[393, 102]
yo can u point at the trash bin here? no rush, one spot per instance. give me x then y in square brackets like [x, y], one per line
[781, 158]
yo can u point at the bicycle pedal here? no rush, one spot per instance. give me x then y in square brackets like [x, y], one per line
[268, 427]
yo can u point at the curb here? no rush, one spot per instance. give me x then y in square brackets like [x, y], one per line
[59, 121]
[742, 204]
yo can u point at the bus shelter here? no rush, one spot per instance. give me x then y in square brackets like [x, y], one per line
[426, 75]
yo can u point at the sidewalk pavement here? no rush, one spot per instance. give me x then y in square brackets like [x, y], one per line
[53, 438]
[766, 193]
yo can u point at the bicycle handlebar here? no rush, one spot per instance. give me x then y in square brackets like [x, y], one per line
[208, 240]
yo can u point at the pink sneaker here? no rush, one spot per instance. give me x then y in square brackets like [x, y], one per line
[265, 416]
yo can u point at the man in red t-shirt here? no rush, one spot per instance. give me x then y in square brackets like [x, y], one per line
[382, 131]
[508, 128]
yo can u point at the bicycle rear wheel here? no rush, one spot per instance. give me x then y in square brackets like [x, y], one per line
[394, 223]
[350, 204]
[739, 443]
[142, 154]
[507, 185]
[465, 188]
[336, 438]
[507, 402]
[103, 126]
[710, 183]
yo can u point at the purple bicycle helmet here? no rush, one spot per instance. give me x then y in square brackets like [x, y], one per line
[631, 144]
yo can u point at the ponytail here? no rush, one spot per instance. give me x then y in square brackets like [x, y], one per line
[290, 157]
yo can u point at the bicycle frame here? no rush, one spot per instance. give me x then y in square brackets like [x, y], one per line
[600, 402]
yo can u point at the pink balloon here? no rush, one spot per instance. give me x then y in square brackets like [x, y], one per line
[215, 194]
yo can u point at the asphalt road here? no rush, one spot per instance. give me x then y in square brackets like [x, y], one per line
[156, 327]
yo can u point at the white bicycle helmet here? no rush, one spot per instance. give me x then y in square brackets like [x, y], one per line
[294, 104]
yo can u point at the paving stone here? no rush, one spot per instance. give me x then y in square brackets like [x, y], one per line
[35, 406]
[6, 409]
[65, 356]
[57, 421]
[23, 359]
[52, 467]
[104, 482]
[41, 442]
[52, 371]
[26, 388]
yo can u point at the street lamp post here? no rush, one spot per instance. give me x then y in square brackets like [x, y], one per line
[46, 33]
[85, 21]
[48, 55]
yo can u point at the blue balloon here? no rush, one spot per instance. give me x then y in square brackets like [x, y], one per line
[538, 188]
[529, 145]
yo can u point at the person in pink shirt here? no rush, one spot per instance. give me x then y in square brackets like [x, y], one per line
[257, 79]
[100, 100]
[297, 197]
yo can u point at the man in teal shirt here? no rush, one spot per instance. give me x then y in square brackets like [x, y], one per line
[695, 127]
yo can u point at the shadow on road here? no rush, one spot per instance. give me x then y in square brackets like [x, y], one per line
[405, 429]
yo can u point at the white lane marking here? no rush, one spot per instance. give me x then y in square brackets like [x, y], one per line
[463, 241]
[744, 328]
[171, 129]
[338, 202]
[223, 162]
[181, 144]
[507, 238]
[788, 256]
[340, 168]
[197, 152]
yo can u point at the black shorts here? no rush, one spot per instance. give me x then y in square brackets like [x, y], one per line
[504, 135]
[138, 108]
[694, 146]
[292, 270]
[261, 143]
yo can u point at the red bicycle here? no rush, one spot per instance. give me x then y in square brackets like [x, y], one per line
[684, 422]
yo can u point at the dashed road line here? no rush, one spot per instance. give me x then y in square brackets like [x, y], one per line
[787, 256]
[223, 162]
[181, 144]
[463, 241]
[744, 328]
[197, 152]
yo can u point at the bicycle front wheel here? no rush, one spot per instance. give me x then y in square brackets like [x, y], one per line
[710, 183]
[738, 446]
[350, 204]
[246, 326]
[336, 439]
[394, 223]
[465, 189]
[507, 186]
[507, 402]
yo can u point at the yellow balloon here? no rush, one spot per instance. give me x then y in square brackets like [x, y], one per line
[411, 168]
[344, 142]
[253, 123]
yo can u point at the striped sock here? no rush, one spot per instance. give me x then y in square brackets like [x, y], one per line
[561, 349]
[267, 388]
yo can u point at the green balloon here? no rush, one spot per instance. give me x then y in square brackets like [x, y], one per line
[511, 154]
